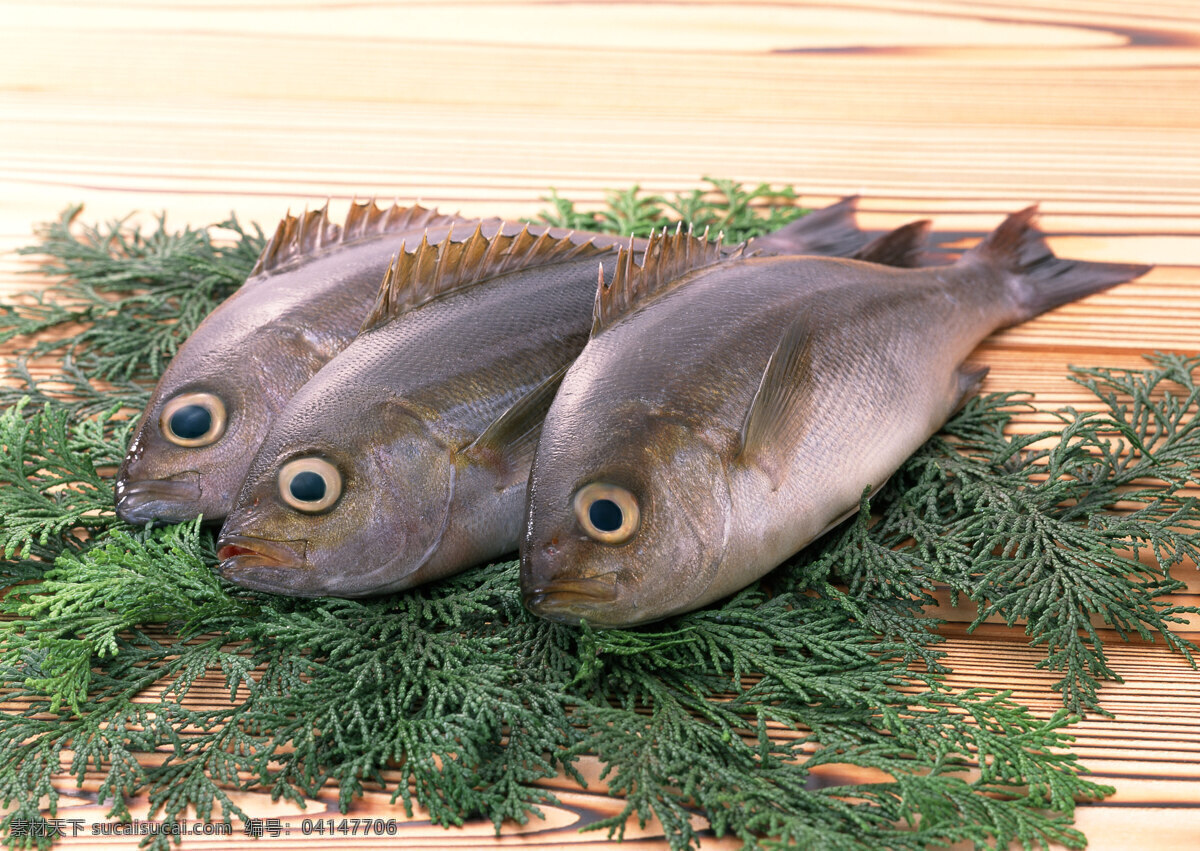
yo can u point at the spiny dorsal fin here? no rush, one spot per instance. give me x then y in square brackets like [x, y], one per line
[308, 235]
[297, 236]
[416, 277]
[775, 423]
[669, 257]
[367, 219]
[508, 444]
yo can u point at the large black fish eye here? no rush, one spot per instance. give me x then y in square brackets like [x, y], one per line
[307, 487]
[310, 484]
[607, 513]
[190, 422]
[193, 419]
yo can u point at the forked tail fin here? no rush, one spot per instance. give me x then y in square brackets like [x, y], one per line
[829, 232]
[1038, 280]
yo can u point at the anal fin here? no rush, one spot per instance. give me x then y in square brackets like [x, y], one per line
[509, 443]
[775, 424]
[970, 377]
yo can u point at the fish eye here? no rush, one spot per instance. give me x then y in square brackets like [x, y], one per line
[193, 419]
[311, 485]
[607, 513]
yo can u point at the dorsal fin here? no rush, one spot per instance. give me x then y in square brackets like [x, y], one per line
[415, 277]
[668, 259]
[308, 235]
[901, 247]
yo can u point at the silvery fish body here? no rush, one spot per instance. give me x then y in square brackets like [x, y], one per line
[405, 459]
[305, 300]
[727, 412]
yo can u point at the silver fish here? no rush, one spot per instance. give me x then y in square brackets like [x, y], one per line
[405, 459]
[728, 411]
[305, 300]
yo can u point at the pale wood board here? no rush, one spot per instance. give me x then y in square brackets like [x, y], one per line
[959, 111]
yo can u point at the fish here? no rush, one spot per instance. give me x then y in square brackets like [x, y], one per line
[306, 298]
[405, 458]
[728, 411]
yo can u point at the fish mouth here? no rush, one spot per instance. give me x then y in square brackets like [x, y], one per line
[170, 500]
[571, 600]
[252, 562]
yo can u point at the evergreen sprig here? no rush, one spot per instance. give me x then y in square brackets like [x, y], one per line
[50, 473]
[137, 295]
[1029, 527]
[765, 714]
[683, 727]
[726, 206]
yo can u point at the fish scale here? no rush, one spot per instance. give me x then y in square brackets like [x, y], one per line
[467, 379]
[310, 292]
[425, 424]
[740, 409]
[304, 301]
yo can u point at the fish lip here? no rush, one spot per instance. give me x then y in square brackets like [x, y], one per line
[570, 600]
[158, 500]
[238, 553]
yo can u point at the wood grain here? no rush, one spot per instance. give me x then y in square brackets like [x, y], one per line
[959, 111]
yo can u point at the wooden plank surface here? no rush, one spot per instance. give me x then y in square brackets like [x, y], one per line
[959, 111]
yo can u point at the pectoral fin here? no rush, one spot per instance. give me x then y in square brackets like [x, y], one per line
[508, 444]
[776, 423]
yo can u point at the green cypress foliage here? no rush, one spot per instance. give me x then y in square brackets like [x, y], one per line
[744, 712]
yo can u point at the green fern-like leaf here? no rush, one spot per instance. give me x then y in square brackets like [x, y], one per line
[725, 207]
[50, 480]
[137, 295]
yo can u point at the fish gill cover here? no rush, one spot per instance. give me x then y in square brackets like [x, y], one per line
[729, 712]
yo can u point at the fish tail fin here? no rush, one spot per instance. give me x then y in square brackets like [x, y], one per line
[1038, 280]
[829, 232]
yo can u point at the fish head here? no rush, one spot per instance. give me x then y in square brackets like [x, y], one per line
[627, 519]
[326, 510]
[205, 420]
